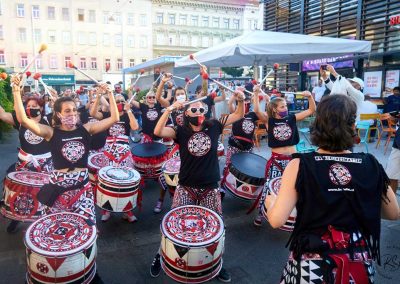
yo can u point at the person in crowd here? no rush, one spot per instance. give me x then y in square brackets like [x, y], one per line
[392, 102]
[318, 91]
[368, 107]
[339, 203]
[118, 90]
[393, 164]
[83, 97]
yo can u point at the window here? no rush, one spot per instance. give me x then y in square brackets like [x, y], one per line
[65, 14]
[172, 39]
[183, 20]
[20, 10]
[144, 60]
[171, 19]
[66, 37]
[236, 24]
[53, 61]
[160, 18]
[216, 40]
[1, 32]
[183, 40]
[81, 15]
[131, 19]
[52, 36]
[67, 61]
[195, 21]
[143, 41]
[93, 63]
[118, 40]
[205, 21]
[106, 39]
[118, 18]
[39, 63]
[119, 64]
[35, 12]
[107, 64]
[82, 63]
[51, 13]
[160, 39]
[22, 35]
[226, 23]
[37, 35]
[23, 60]
[2, 57]
[131, 41]
[131, 62]
[106, 17]
[255, 26]
[92, 16]
[205, 41]
[143, 20]
[195, 41]
[250, 24]
[215, 22]
[92, 39]
[82, 38]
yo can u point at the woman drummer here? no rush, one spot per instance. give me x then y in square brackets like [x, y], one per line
[118, 130]
[199, 172]
[283, 137]
[69, 189]
[339, 203]
[34, 154]
[241, 139]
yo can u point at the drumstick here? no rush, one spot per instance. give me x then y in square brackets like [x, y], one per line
[159, 76]
[205, 77]
[274, 68]
[197, 76]
[3, 76]
[177, 77]
[38, 77]
[140, 75]
[191, 56]
[190, 102]
[72, 66]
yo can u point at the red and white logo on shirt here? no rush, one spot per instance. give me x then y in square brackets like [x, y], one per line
[339, 174]
[199, 144]
[282, 132]
[73, 151]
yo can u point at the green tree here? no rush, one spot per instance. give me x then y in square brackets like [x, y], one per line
[6, 100]
[233, 71]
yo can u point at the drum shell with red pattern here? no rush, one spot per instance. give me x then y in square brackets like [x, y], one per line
[61, 248]
[221, 149]
[171, 171]
[96, 161]
[19, 195]
[149, 158]
[273, 189]
[192, 244]
[117, 189]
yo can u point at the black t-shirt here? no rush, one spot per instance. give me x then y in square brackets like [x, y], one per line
[150, 117]
[243, 128]
[199, 155]
[98, 140]
[122, 127]
[30, 142]
[70, 149]
[208, 103]
[282, 132]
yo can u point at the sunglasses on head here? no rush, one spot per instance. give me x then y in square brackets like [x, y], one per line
[151, 97]
[197, 109]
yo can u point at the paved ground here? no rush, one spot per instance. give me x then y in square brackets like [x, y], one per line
[125, 251]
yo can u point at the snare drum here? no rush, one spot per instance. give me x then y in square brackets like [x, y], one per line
[61, 248]
[19, 196]
[95, 162]
[246, 176]
[171, 171]
[117, 189]
[149, 158]
[221, 149]
[172, 148]
[273, 189]
[192, 244]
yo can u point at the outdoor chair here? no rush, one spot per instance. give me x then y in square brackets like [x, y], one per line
[365, 126]
[259, 132]
[375, 117]
[390, 129]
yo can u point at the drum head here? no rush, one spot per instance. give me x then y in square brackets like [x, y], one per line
[192, 226]
[249, 164]
[97, 161]
[274, 185]
[29, 178]
[172, 166]
[119, 175]
[60, 234]
[148, 150]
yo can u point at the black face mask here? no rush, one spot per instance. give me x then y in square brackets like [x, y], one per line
[196, 120]
[33, 112]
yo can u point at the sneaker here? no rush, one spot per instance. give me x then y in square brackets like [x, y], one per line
[158, 207]
[105, 216]
[224, 276]
[257, 221]
[155, 267]
[12, 227]
[130, 219]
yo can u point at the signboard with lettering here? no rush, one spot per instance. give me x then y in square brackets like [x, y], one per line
[59, 80]
[392, 79]
[373, 83]
[313, 65]
[395, 20]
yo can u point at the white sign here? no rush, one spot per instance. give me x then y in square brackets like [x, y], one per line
[373, 83]
[392, 79]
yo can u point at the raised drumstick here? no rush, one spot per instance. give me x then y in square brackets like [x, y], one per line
[3, 76]
[72, 66]
[191, 56]
[140, 75]
[38, 77]
[189, 102]
[206, 77]
[276, 67]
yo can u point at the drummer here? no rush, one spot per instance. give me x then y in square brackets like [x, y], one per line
[34, 154]
[199, 172]
[241, 139]
[283, 137]
[69, 189]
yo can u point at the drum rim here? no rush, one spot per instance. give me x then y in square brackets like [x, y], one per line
[215, 238]
[136, 175]
[8, 176]
[260, 158]
[29, 245]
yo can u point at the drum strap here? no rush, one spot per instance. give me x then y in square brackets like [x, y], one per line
[244, 139]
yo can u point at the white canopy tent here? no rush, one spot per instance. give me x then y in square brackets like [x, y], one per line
[263, 47]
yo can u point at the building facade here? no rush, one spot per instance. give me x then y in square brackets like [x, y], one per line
[352, 19]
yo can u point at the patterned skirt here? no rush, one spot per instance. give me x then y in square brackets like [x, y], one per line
[34, 163]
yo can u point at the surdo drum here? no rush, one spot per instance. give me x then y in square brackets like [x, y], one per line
[192, 244]
[96, 161]
[117, 189]
[171, 171]
[246, 177]
[149, 158]
[61, 248]
[19, 195]
[273, 189]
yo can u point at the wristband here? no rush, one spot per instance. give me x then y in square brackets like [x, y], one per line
[129, 110]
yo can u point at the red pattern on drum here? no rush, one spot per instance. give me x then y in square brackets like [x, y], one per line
[98, 160]
[275, 185]
[30, 178]
[172, 165]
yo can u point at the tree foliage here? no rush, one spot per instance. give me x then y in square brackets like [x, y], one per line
[6, 100]
[233, 71]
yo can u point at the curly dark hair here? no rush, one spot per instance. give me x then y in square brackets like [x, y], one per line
[57, 107]
[333, 128]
